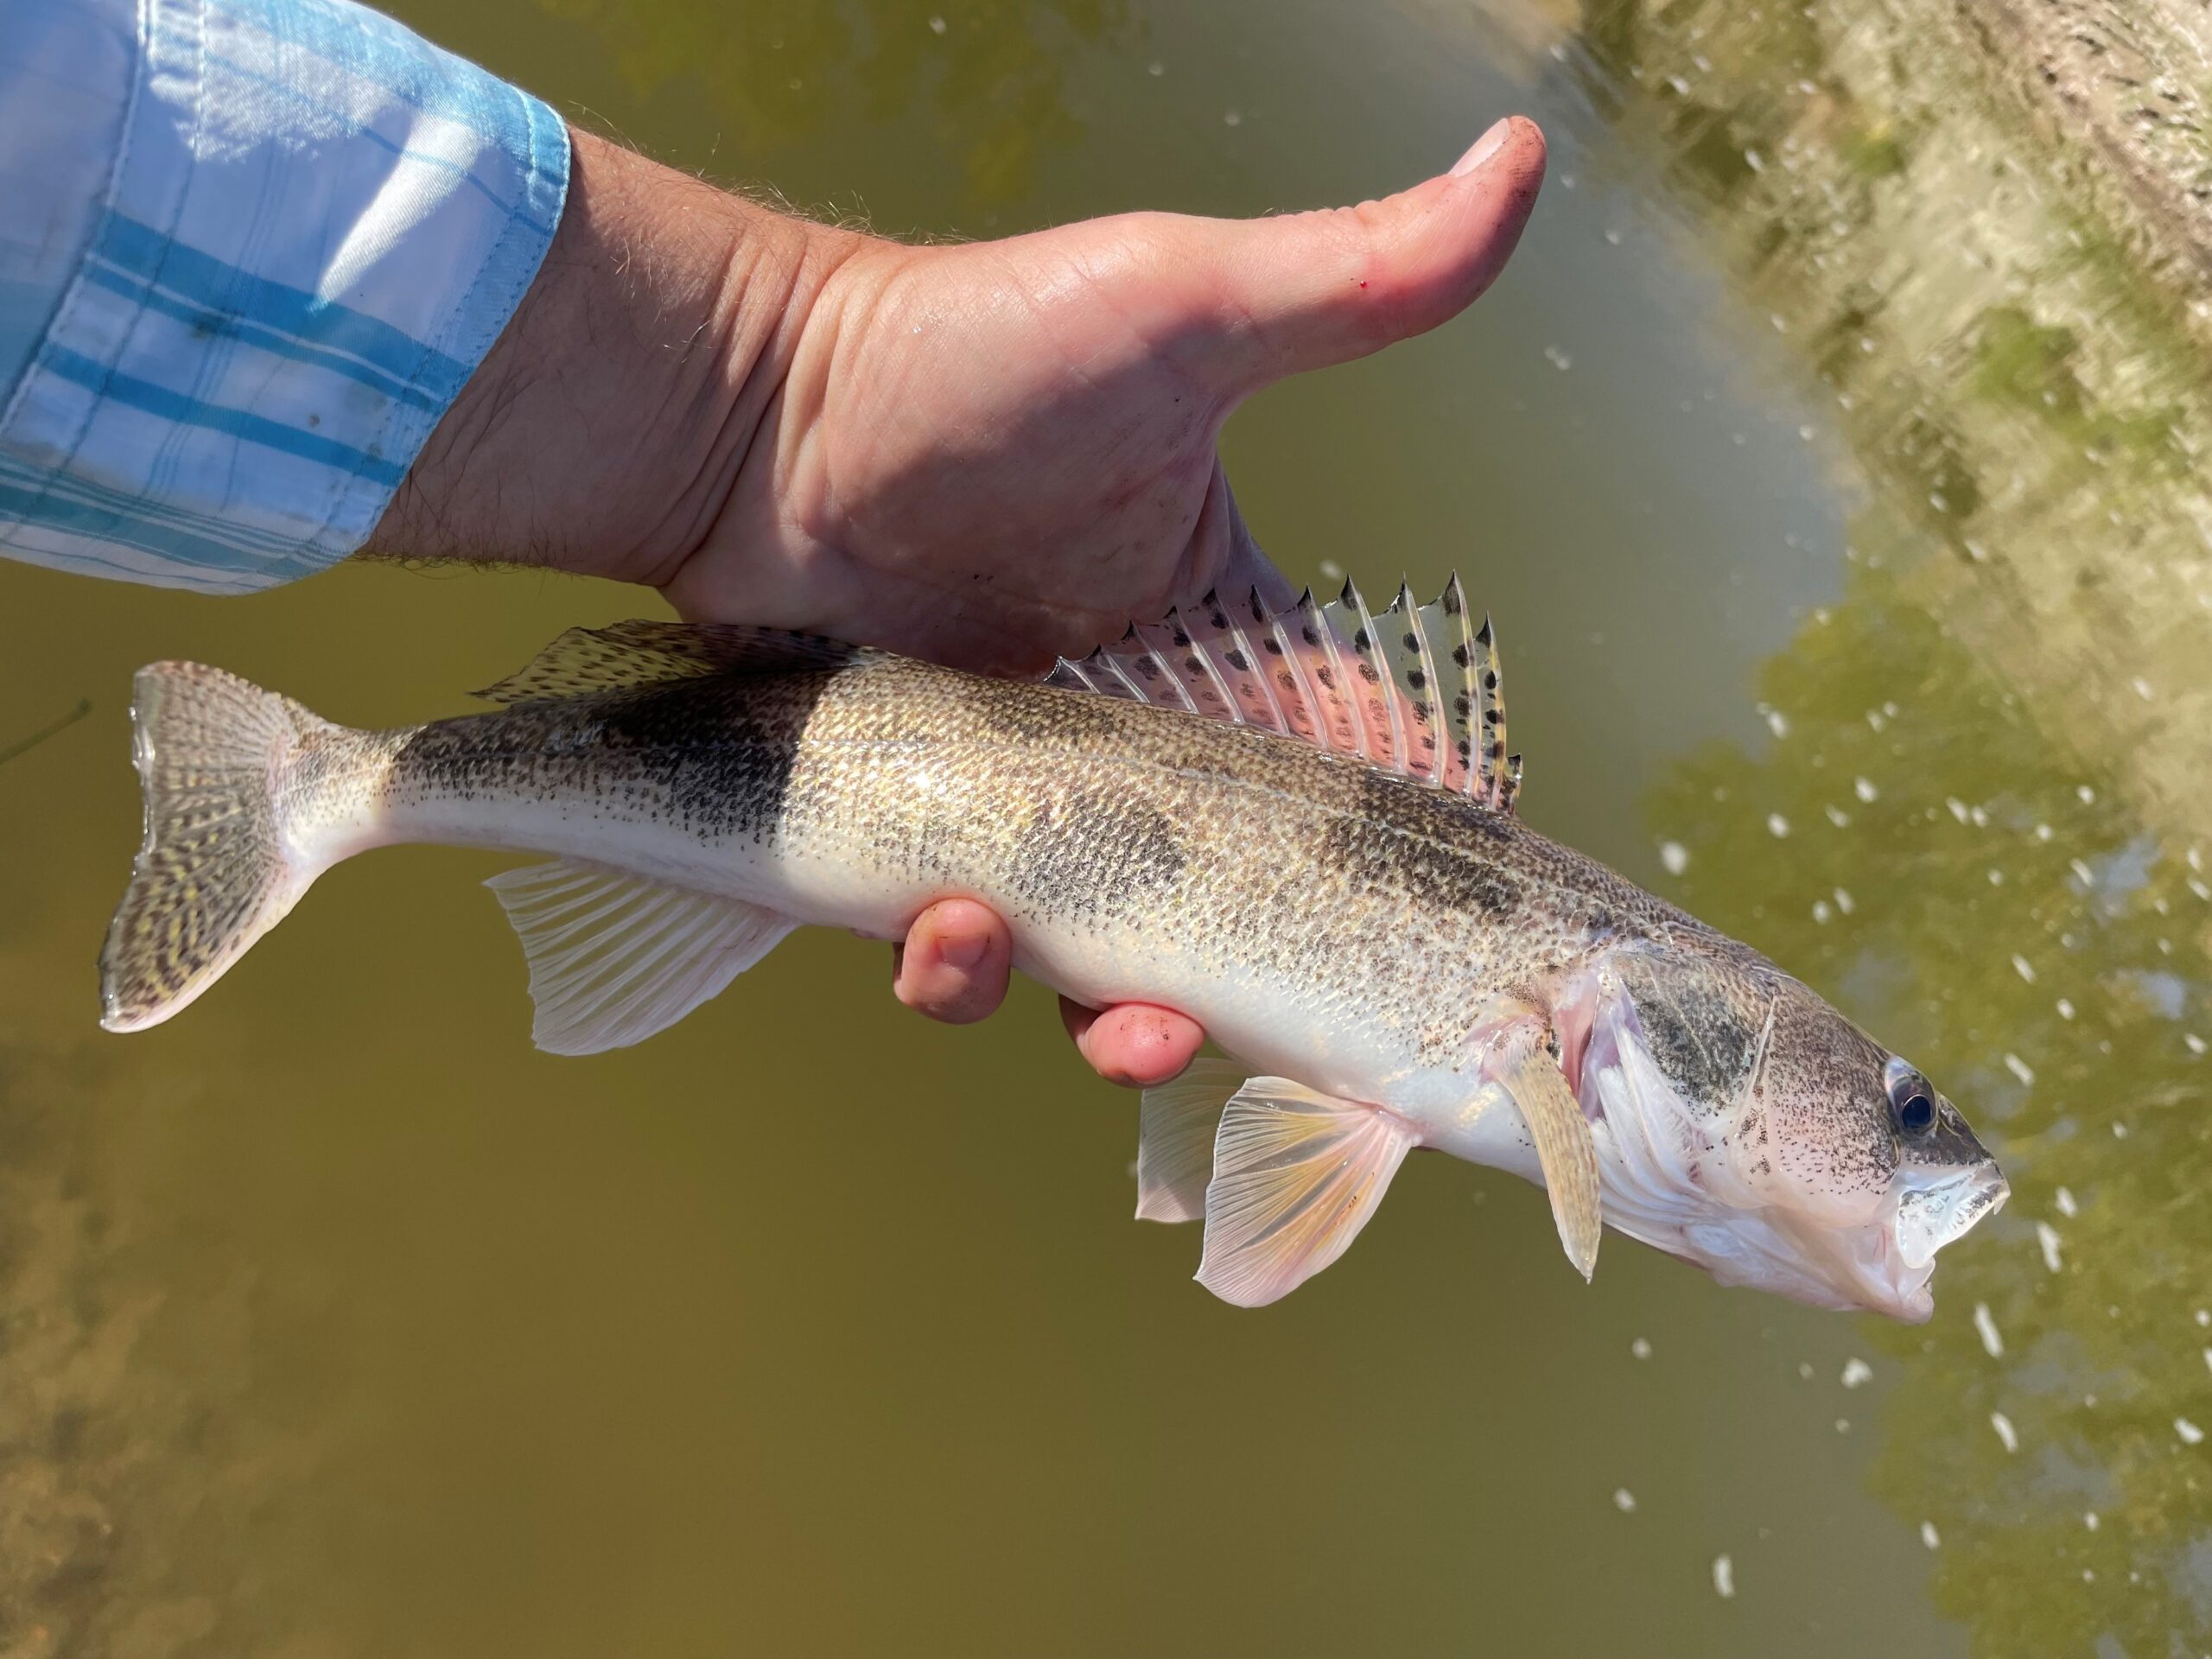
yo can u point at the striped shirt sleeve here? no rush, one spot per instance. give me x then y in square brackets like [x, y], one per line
[252, 250]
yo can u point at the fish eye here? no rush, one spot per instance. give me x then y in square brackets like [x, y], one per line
[1910, 1098]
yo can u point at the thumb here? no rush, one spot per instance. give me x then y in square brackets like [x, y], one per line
[1310, 290]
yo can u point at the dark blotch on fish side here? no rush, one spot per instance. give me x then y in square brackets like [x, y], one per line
[722, 749]
[714, 753]
[1437, 846]
[1089, 849]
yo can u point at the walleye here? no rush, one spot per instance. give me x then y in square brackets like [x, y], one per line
[1296, 826]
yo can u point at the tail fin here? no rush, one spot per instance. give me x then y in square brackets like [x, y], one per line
[212, 875]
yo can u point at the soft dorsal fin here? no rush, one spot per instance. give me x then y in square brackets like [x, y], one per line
[1415, 690]
[584, 661]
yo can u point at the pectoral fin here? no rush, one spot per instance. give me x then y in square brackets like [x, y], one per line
[1175, 1137]
[1525, 1065]
[1296, 1174]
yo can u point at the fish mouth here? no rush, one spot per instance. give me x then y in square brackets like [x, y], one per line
[1887, 1267]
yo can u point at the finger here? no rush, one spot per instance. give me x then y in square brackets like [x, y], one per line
[1134, 1044]
[1309, 289]
[954, 963]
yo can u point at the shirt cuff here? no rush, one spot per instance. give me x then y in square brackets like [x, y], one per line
[312, 227]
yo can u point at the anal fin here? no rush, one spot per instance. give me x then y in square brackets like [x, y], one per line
[614, 958]
[1296, 1174]
[1523, 1065]
[1175, 1135]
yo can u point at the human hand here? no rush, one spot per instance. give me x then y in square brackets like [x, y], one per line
[992, 454]
[988, 455]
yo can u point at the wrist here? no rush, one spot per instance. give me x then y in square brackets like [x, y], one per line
[605, 429]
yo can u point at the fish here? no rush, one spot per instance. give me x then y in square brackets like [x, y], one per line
[1297, 825]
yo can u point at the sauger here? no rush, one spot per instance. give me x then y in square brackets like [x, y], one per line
[1295, 826]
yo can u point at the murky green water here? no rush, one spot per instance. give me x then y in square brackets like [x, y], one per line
[1835, 486]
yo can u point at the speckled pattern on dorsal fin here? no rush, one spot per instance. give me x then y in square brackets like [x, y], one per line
[584, 661]
[1415, 690]
[1472, 696]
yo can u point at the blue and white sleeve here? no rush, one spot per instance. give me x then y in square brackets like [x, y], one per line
[250, 251]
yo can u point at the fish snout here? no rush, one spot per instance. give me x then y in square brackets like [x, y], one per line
[1932, 1207]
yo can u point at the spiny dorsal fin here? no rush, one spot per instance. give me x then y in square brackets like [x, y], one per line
[1415, 690]
[584, 661]
[1370, 678]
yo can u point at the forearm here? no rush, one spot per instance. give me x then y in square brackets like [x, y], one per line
[605, 429]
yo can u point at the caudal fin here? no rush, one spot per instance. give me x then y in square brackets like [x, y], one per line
[212, 875]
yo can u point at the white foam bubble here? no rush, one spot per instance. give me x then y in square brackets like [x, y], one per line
[2047, 1235]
